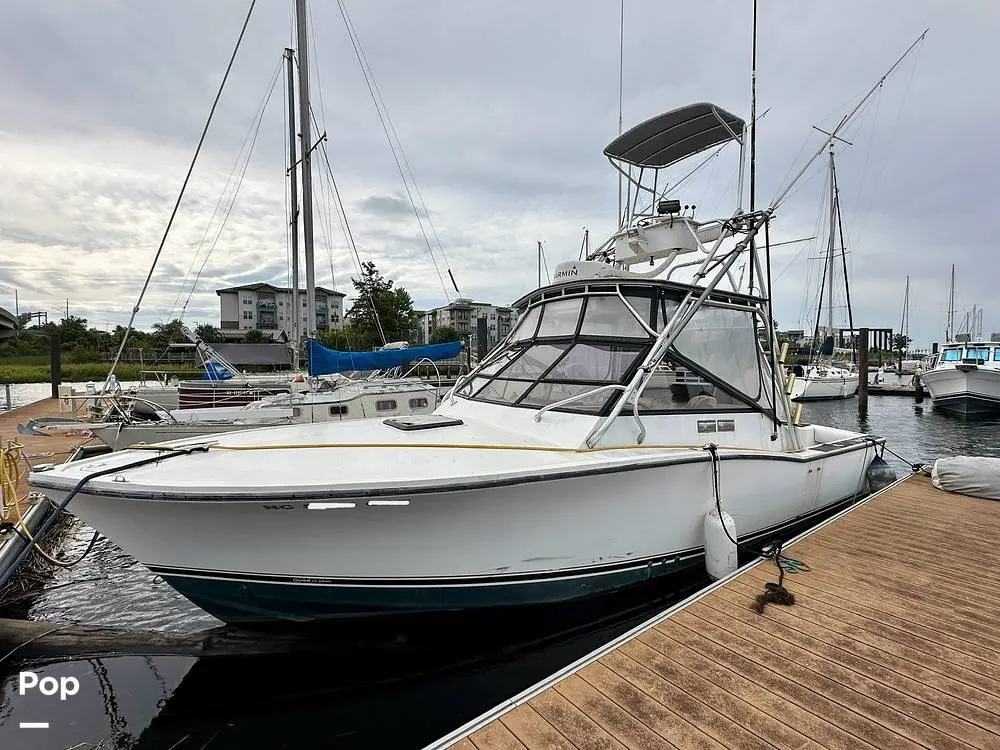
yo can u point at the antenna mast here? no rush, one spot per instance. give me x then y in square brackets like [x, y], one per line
[753, 119]
[621, 85]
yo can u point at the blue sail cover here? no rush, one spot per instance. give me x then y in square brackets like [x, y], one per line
[323, 361]
[214, 371]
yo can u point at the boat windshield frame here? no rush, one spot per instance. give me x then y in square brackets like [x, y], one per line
[540, 356]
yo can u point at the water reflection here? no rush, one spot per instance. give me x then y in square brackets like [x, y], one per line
[398, 684]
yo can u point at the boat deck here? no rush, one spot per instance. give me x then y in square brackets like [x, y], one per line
[893, 642]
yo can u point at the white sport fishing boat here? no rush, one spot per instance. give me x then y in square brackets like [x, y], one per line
[579, 457]
[965, 378]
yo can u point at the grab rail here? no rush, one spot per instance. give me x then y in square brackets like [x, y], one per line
[577, 397]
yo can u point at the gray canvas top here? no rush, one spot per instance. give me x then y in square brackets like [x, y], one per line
[255, 354]
[675, 135]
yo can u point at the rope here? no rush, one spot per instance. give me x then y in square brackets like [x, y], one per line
[915, 467]
[10, 477]
[774, 593]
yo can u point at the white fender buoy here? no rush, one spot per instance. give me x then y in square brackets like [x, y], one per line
[720, 550]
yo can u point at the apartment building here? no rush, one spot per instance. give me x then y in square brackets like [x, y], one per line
[268, 309]
[462, 315]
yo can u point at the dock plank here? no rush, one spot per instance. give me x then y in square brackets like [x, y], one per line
[721, 696]
[893, 641]
[876, 672]
[885, 695]
[533, 731]
[643, 707]
[496, 736]
[576, 726]
[613, 718]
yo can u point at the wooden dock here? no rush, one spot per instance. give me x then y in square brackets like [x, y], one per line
[894, 389]
[38, 449]
[893, 642]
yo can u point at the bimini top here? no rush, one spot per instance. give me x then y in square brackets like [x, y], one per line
[675, 135]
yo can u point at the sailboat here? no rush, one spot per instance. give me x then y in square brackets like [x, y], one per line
[907, 365]
[227, 400]
[825, 380]
[320, 399]
[584, 454]
[964, 378]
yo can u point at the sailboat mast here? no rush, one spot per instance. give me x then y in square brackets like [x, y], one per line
[294, 201]
[906, 311]
[951, 307]
[307, 199]
[829, 252]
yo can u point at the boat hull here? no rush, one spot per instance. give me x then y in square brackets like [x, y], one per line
[211, 394]
[824, 388]
[965, 390]
[512, 544]
[242, 600]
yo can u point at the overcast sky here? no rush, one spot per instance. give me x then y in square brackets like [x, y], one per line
[503, 110]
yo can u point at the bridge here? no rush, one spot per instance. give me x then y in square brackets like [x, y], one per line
[8, 324]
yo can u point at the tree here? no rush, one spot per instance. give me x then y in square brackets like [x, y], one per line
[164, 333]
[352, 339]
[444, 334]
[254, 336]
[377, 302]
[901, 342]
[208, 333]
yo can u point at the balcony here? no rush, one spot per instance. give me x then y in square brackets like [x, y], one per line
[267, 325]
[230, 325]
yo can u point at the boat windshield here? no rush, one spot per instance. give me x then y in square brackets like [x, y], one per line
[567, 346]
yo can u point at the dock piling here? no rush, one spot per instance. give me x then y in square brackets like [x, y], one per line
[863, 373]
[55, 348]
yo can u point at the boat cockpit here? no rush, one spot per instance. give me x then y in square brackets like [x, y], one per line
[576, 347]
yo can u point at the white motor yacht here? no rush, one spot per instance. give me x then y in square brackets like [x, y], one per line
[581, 456]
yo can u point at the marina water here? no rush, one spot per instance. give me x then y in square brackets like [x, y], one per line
[386, 686]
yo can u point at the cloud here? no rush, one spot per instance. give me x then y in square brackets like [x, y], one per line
[503, 110]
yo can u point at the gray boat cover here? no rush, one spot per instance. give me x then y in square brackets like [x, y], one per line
[968, 475]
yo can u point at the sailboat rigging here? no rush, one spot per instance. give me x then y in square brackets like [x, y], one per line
[823, 380]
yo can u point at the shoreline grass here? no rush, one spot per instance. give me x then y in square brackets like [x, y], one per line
[77, 372]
